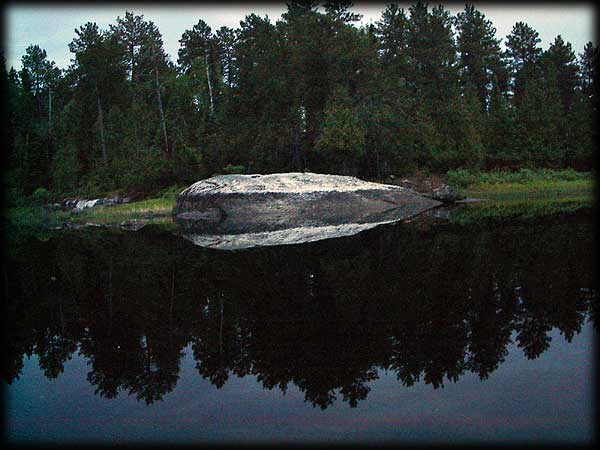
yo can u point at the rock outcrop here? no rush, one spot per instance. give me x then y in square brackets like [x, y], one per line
[240, 211]
[446, 193]
[79, 205]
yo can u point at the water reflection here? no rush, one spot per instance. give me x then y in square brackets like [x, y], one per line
[427, 303]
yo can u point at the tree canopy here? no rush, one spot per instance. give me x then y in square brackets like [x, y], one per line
[419, 89]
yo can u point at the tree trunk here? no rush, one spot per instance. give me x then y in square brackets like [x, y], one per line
[101, 125]
[210, 93]
[132, 52]
[50, 109]
[160, 107]
[49, 125]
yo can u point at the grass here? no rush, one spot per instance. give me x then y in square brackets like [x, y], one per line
[524, 194]
[155, 211]
[37, 221]
[462, 178]
[524, 184]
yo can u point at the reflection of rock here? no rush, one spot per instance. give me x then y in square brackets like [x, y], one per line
[444, 212]
[132, 225]
[280, 237]
[239, 211]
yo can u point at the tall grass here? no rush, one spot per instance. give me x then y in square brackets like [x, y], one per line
[544, 182]
[464, 178]
[156, 210]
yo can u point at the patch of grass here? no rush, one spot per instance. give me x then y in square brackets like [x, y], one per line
[525, 185]
[39, 222]
[156, 210]
[522, 179]
[534, 189]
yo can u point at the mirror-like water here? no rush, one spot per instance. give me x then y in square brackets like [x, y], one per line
[411, 332]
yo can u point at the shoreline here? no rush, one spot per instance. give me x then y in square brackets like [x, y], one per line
[501, 200]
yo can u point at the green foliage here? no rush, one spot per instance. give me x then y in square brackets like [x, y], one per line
[343, 135]
[465, 178]
[65, 170]
[233, 170]
[419, 90]
[40, 196]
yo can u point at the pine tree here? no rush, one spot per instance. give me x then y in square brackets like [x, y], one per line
[392, 34]
[342, 136]
[523, 54]
[479, 50]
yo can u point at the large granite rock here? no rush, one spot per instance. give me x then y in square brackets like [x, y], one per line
[240, 211]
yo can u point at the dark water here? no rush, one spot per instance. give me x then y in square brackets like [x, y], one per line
[411, 333]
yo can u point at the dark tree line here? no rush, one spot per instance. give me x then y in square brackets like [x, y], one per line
[420, 89]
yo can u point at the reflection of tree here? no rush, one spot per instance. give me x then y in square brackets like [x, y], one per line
[490, 330]
[325, 317]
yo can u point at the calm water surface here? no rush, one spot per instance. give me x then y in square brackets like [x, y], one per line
[416, 332]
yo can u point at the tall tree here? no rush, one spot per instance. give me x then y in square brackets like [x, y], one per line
[479, 52]
[100, 72]
[149, 68]
[197, 57]
[343, 135]
[392, 35]
[523, 53]
[340, 11]
[563, 61]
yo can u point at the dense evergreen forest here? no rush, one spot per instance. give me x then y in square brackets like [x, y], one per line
[418, 90]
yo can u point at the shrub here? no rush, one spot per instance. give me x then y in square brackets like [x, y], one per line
[461, 177]
[233, 170]
[40, 197]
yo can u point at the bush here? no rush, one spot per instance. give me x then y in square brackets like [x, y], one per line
[187, 166]
[233, 170]
[172, 191]
[40, 197]
[461, 177]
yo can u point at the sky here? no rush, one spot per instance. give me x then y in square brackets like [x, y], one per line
[52, 26]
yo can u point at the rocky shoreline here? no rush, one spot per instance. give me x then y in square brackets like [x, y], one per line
[322, 196]
[74, 204]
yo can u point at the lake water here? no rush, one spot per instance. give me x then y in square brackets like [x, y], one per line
[417, 333]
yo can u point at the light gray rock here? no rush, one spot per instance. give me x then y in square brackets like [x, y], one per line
[69, 203]
[446, 193]
[84, 204]
[240, 211]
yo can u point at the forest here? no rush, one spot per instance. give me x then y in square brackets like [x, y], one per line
[420, 89]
